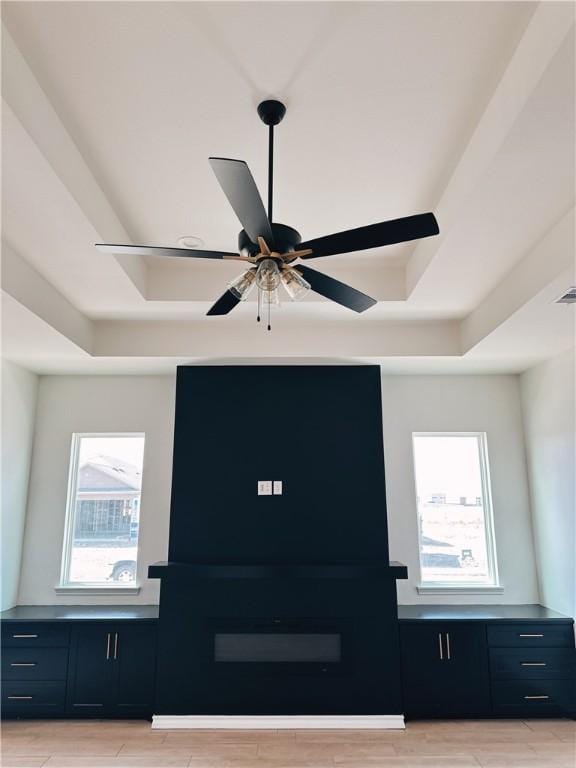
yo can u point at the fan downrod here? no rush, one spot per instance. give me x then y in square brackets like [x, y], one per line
[271, 111]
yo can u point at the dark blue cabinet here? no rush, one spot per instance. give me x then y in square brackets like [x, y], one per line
[532, 669]
[494, 661]
[34, 668]
[79, 661]
[444, 669]
[457, 661]
[135, 650]
[112, 670]
[92, 671]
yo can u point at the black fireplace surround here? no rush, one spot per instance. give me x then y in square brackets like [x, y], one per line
[278, 604]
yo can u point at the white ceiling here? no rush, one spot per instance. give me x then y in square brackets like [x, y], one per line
[111, 110]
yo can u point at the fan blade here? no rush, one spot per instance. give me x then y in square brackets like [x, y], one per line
[335, 290]
[240, 188]
[374, 235]
[153, 250]
[225, 304]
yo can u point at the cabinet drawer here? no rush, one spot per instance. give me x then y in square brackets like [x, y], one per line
[34, 663]
[33, 698]
[29, 635]
[530, 635]
[532, 663]
[538, 697]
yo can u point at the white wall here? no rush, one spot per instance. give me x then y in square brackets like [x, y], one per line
[146, 404]
[488, 404]
[19, 389]
[68, 404]
[548, 392]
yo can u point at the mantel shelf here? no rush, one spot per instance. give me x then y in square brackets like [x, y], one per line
[392, 570]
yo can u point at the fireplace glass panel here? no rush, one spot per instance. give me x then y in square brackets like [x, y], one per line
[277, 647]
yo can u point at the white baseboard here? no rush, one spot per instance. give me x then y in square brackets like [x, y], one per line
[267, 722]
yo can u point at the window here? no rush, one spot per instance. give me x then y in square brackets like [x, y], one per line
[456, 537]
[103, 511]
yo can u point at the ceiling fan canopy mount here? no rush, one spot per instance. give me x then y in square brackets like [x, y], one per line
[271, 111]
[267, 247]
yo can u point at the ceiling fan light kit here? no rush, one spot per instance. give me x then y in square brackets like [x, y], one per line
[268, 275]
[295, 285]
[242, 285]
[268, 249]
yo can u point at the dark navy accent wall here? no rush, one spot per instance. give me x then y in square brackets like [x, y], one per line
[318, 429]
[290, 572]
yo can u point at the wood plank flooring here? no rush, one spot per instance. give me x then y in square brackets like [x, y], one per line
[438, 744]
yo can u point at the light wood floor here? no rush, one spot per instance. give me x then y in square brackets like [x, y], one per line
[444, 744]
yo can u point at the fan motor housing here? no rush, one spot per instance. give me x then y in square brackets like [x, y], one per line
[286, 239]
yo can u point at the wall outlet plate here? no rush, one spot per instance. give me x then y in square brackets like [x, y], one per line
[277, 487]
[264, 487]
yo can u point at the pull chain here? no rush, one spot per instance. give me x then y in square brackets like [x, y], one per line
[259, 296]
[269, 302]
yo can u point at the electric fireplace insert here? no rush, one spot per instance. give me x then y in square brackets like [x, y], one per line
[265, 646]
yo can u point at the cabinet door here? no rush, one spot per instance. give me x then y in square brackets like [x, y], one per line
[134, 649]
[423, 668]
[468, 673]
[92, 672]
[444, 669]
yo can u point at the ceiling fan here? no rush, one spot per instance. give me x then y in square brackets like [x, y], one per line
[269, 249]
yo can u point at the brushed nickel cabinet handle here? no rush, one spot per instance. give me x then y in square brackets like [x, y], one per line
[536, 697]
[448, 645]
[21, 698]
[531, 635]
[108, 647]
[23, 664]
[440, 646]
[21, 636]
[532, 663]
[115, 645]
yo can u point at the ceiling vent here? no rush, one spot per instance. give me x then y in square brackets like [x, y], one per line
[567, 298]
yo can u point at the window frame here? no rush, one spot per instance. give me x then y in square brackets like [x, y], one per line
[443, 587]
[65, 586]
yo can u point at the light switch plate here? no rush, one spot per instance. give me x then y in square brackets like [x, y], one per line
[264, 487]
[277, 488]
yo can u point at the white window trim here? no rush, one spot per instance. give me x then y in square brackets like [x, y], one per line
[66, 587]
[448, 588]
[436, 588]
[78, 588]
